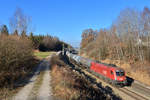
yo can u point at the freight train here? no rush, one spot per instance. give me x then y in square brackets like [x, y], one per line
[108, 72]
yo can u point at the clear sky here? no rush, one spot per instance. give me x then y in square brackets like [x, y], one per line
[68, 18]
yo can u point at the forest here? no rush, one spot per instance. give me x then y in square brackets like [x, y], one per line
[126, 43]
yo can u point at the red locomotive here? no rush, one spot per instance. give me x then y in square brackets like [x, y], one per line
[108, 72]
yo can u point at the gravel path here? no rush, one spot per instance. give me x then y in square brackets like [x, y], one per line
[44, 92]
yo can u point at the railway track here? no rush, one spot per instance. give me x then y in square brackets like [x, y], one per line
[142, 89]
[134, 95]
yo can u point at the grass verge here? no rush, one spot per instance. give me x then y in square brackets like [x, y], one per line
[42, 55]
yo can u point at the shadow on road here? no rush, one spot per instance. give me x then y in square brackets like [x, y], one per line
[29, 78]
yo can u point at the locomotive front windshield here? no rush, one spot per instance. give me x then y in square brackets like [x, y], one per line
[120, 73]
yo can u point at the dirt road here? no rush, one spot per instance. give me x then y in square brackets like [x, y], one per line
[38, 87]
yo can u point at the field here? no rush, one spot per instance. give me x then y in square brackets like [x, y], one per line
[42, 55]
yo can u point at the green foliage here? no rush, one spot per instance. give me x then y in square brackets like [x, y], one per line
[36, 40]
[31, 36]
[46, 43]
[42, 54]
[4, 30]
[49, 43]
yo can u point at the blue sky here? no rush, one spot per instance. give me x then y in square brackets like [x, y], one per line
[68, 18]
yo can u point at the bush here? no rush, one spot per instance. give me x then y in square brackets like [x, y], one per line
[15, 58]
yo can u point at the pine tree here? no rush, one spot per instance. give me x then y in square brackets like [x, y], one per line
[4, 30]
[31, 36]
[15, 33]
[23, 34]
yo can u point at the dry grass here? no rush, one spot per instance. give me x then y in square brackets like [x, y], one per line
[6, 93]
[61, 84]
[68, 85]
[139, 71]
[15, 58]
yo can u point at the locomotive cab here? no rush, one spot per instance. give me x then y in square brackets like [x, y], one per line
[120, 77]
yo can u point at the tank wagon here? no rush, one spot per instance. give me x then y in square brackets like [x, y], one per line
[108, 72]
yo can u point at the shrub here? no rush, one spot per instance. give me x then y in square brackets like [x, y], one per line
[15, 58]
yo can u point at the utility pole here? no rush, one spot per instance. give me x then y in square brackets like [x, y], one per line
[63, 49]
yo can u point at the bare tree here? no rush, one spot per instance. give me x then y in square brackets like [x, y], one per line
[88, 36]
[20, 22]
[145, 17]
[129, 28]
